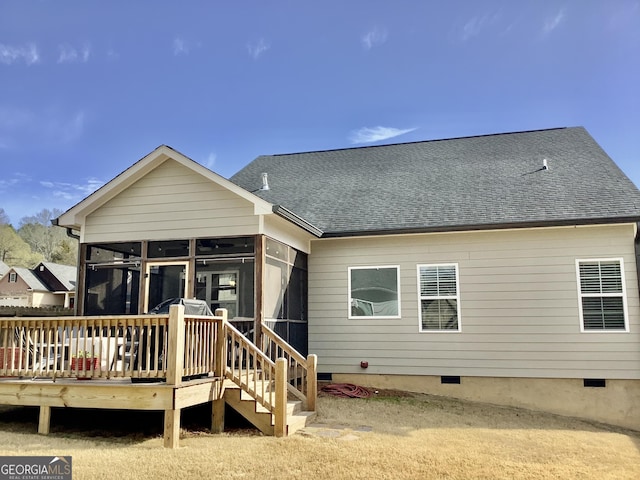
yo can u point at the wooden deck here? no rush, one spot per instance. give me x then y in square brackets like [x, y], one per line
[164, 363]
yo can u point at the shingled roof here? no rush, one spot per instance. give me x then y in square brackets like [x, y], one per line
[30, 278]
[481, 182]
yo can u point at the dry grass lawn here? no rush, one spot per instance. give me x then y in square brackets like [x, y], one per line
[387, 437]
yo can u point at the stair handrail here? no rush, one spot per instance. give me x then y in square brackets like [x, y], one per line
[249, 368]
[302, 377]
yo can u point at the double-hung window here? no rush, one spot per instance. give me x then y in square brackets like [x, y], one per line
[601, 289]
[13, 277]
[439, 296]
[374, 292]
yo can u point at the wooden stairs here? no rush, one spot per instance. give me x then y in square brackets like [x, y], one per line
[243, 403]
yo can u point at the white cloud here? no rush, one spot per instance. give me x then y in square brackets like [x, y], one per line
[211, 161]
[10, 54]
[552, 23]
[374, 37]
[8, 182]
[474, 26]
[375, 134]
[258, 48]
[72, 191]
[16, 179]
[180, 46]
[71, 54]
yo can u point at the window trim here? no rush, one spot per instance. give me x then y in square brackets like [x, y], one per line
[13, 277]
[456, 297]
[370, 267]
[622, 294]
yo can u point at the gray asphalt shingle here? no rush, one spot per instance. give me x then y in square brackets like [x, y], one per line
[473, 182]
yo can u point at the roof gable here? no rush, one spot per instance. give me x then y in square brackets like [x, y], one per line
[28, 277]
[491, 181]
[74, 217]
[57, 277]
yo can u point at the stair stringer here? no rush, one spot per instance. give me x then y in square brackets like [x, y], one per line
[260, 417]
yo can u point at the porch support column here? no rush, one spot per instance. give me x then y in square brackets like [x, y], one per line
[260, 275]
[78, 307]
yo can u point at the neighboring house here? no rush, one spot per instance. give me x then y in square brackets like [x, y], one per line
[47, 285]
[4, 268]
[499, 268]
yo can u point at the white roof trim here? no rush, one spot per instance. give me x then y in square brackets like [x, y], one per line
[74, 217]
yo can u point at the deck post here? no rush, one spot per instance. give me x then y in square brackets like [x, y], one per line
[312, 382]
[175, 370]
[171, 428]
[217, 412]
[221, 342]
[280, 427]
[175, 349]
[44, 422]
[217, 419]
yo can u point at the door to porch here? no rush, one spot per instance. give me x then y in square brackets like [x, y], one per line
[165, 280]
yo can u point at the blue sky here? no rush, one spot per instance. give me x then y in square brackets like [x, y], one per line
[89, 87]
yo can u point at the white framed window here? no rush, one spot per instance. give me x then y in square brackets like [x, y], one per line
[602, 295]
[374, 292]
[439, 298]
[13, 277]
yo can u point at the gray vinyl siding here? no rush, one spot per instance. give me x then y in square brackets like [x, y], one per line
[518, 306]
[170, 202]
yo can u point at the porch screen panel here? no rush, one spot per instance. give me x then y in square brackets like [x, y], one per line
[112, 278]
[112, 290]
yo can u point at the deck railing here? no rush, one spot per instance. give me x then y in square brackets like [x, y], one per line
[301, 372]
[107, 346]
[159, 347]
[250, 368]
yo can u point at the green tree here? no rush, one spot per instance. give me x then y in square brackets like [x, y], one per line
[14, 251]
[47, 240]
[66, 252]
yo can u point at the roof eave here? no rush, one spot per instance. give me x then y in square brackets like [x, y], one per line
[477, 227]
[297, 220]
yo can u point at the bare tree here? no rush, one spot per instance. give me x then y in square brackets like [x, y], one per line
[4, 218]
[43, 217]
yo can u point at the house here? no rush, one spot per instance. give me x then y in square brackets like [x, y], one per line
[4, 268]
[47, 285]
[499, 268]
